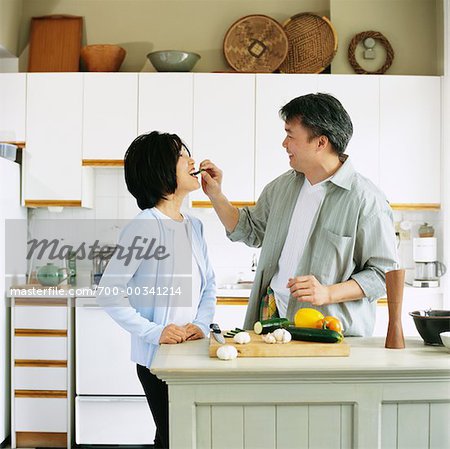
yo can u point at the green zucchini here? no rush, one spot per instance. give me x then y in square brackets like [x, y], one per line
[266, 326]
[317, 335]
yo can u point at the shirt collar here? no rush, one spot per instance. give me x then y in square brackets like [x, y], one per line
[344, 176]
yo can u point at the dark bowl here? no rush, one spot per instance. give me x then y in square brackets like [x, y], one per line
[430, 323]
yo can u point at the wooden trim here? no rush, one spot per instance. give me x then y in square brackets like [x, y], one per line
[40, 393]
[222, 301]
[102, 163]
[41, 439]
[40, 333]
[41, 363]
[18, 144]
[31, 301]
[416, 206]
[52, 203]
[205, 204]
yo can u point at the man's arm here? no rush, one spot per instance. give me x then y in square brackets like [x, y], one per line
[212, 186]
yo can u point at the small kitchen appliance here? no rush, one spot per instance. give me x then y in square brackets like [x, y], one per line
[427, 269]
[101, 258]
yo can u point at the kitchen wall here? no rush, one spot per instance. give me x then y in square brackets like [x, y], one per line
[113, 201]
[10, 20]
[230, 260]
[414, 27]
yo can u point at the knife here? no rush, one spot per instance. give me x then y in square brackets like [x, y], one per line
[217, 333]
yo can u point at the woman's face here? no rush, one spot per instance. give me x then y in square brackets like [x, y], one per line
[185, 166]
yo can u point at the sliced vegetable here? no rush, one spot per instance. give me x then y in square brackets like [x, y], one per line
[317, 335]
[266, 326]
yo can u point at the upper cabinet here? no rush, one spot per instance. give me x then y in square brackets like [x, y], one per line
[224, 130]
[12, 107]
[410, 138]
[360, 97]
[109, 115]
[52, 159]
[166, 103]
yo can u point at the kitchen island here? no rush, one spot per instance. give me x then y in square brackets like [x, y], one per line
[375, 398]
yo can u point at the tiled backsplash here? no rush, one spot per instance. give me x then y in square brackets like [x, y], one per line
[230, 260]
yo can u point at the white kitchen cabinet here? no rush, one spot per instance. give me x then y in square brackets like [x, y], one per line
[230, 316]
[12, 106]
[165, 104]
[224, 130]
[410, 138]
[41, 317]
[41, 415]
[110, 104]
[40, 348]
[359, 95]
[273, 91]
[113, 420]
[39, 378]
[52, 169]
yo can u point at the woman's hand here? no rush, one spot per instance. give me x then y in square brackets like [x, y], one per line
[172, 334]
[193, 332]
[211, 179]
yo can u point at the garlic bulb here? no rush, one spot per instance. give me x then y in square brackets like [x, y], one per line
[242, 338]
[282, 336]
[269, 338]
[227, 352]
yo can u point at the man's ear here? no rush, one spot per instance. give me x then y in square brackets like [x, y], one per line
[322, 143]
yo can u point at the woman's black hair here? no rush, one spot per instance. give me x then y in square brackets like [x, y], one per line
[151, 167]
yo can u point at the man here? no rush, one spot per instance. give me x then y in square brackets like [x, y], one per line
[326, 232]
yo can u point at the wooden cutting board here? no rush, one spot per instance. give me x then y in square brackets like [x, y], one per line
[258, 348]
[55, 43]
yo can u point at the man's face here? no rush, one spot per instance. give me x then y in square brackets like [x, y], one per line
[301, 148]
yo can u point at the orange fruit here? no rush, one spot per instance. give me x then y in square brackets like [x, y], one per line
[332, 323]
[308, 318]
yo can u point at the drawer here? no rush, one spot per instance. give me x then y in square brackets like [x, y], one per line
[40, 348]
[40, 414]
[40, 317]
[113, 420]
[37, 378]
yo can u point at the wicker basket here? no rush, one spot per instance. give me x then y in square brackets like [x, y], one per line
[312, 44]
[255, 43]
[102, 58]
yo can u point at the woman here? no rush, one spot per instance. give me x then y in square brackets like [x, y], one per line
[161, 264]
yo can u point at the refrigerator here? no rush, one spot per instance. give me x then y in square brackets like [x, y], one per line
[12, 270]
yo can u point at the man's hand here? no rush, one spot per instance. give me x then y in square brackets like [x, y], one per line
[172, 334]
[211, 179]
[309, 289]
[193, 332]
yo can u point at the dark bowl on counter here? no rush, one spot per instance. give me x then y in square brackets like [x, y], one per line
[430, 323]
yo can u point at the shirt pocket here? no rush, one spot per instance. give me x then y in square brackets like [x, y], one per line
[332, 260]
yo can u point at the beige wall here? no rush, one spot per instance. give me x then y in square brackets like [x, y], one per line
[411, 27]
[142, 26]
[10, 16]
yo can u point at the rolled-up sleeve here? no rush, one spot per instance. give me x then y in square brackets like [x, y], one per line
[375, 253]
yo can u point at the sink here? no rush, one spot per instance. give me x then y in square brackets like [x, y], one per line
[239, 285]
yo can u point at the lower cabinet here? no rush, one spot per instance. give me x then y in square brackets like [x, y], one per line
[34, 414]
[113, 420]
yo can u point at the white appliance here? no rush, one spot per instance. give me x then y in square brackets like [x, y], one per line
[427, 268]
[110, 405]
[10, 208]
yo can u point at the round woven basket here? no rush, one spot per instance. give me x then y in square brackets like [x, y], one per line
[255, 43]
[102, 57]
[312, 44]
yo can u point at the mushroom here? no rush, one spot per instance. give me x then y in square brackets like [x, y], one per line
[242, 338]
[282, 336]
[227, 352]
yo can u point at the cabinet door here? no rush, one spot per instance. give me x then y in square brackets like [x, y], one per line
[109, 114]
[273, 91]
[52, 159]
[360, 97]
[165, 104]
[12, 106]
[224, 123]
[410, 138]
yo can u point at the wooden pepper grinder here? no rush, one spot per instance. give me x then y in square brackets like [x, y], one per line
[394, 285]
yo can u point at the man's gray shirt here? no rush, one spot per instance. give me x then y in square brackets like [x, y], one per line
[351, 237]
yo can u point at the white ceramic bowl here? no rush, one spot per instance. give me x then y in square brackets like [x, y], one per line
[445, 337]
